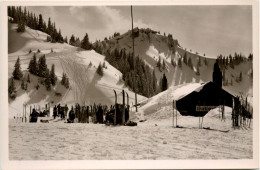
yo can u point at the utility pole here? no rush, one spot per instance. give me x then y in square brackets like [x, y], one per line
[133, 55]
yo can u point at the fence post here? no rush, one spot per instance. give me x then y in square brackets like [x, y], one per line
[115, 107]
[25, 114]
[173, 107]
[123, 117]
[175, 112]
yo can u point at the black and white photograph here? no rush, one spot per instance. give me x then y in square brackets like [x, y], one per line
[130, 82]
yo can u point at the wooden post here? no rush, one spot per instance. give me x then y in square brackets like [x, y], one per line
[127, 106]
[23, 113]
[127, 101]
[25, 119]
[133, 37]
[115, 107]
[173, 106]
[30, 112]
[251, 115]
[136, 103]
[123, 117]
[199, 122]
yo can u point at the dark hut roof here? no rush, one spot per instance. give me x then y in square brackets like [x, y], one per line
[187, 89]
[197, 99]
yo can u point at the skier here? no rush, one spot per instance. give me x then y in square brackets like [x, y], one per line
[71, 116]
[54, 111]
[34, 116]
[66, 110]
[62, 115]
[59, 110]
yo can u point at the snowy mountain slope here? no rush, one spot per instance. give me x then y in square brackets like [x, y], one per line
[87, 87]
[149, 46]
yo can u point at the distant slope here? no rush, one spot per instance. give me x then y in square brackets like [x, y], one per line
[149, 45]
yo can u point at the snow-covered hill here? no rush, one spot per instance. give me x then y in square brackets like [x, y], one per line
[87, 87]
[150, 45]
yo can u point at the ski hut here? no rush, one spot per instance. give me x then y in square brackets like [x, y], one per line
[198, 99]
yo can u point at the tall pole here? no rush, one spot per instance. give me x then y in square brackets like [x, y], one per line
[133, 55]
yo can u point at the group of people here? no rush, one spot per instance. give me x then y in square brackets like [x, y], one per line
[85, 114]
[97, 113]
[34, 115]
[60, 111]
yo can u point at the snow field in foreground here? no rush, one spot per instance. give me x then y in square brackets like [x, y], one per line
[60, 141]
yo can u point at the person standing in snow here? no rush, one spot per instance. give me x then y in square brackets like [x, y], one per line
[59, 110]
[66, 111]
[34, 116]
[54, 111]
[62, 114]
[71, 116]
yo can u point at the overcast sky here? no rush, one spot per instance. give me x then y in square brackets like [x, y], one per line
[212, 30]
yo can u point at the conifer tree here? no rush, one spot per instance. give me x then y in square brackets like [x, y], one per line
[49, 27]
[67, 83]
[63, 79]
[72, 40]
[28, 78]
[23, 85]
[85, 44]
[47, 81]
[53, 77]
[77, 43]
[17, 73]
[40, 23]
[154, 81]
[159, 63]
[33, 66]
[104, 65]
[11, 89]
[180, 63]
[185, 58]
[231, 62]
[42, 66]
[21, 26]
[100, 70]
